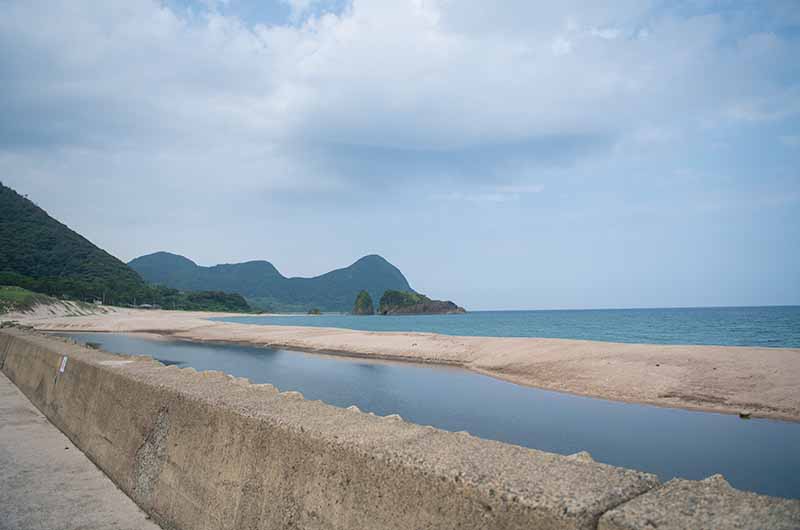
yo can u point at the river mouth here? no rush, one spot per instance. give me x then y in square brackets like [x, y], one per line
[756, 455]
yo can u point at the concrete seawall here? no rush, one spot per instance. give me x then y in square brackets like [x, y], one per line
[205, 450]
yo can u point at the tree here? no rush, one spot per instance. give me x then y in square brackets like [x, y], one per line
[363, 304]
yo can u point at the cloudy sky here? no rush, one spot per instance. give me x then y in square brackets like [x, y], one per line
[511, 154]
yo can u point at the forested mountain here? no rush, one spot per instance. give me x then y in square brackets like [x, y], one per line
[266, 288]
[36, 246]
[41, 254]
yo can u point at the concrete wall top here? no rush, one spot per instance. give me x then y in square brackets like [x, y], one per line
[710, 503]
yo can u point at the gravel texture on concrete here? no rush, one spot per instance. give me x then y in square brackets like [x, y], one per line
[708, 504]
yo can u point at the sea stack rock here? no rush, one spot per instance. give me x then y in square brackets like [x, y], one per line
[363, 304]
[408, 303]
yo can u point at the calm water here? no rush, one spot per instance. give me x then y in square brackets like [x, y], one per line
[756, 455]
[733, 326]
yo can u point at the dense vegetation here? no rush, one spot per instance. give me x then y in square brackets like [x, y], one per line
[43, 255]
[204, 300]
[397, 299]
[267, 289]
[153, 295]
[14, 298]
[34, 247]
[363, 304]
[404, 302]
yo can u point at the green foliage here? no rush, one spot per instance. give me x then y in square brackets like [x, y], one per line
[154, 295]
[42, 255]
[211, 301]
[363, 304]
[14, 295]
[14, 298]
[404, 302]
[33, 245]
[400, 299]
[267, 289]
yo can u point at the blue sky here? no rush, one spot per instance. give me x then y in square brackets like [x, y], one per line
[504, 155]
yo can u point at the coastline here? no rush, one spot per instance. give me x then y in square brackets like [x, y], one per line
[721, 379]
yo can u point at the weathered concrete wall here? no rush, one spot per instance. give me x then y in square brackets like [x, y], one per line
[204, 450]
[706, 504]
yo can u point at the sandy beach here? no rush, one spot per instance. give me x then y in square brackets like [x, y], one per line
[725, 379]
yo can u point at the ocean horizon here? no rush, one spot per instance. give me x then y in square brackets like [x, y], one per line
[754, 326]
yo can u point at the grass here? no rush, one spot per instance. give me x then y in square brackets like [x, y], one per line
[19, 299]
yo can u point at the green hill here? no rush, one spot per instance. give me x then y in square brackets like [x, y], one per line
[266, 288]
[36, 248]
[43, 255]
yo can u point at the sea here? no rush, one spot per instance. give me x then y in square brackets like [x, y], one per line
[769, 326]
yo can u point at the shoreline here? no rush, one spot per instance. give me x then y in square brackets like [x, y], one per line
[760, 381]
[440, 364]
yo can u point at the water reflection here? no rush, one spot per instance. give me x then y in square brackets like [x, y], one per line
[757, 455]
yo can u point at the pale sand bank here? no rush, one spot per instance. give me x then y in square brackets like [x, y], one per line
[727, 379]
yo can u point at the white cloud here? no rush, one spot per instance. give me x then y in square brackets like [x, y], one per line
[225, 139]
[561, 46]
[421, 79]
[605, 33]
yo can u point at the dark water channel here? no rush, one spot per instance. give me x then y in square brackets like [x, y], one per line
[756, 455]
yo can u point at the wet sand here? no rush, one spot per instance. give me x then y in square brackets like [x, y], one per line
[764, 382]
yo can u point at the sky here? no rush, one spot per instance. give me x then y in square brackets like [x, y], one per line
[505, 155]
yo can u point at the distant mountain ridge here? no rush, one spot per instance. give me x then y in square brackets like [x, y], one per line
[40, 254]
[266, 288]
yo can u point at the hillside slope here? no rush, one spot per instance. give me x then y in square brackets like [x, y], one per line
[266, 288]
[40, 254]
[34, 245]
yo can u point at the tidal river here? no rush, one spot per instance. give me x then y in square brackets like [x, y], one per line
[756, 455]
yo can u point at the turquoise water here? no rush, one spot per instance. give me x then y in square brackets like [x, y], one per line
[775, 326]
[756, 455]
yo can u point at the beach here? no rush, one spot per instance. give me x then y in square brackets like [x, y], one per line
[759, 382]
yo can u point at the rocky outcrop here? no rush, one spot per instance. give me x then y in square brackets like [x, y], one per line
[363, 304]
[407, 303]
